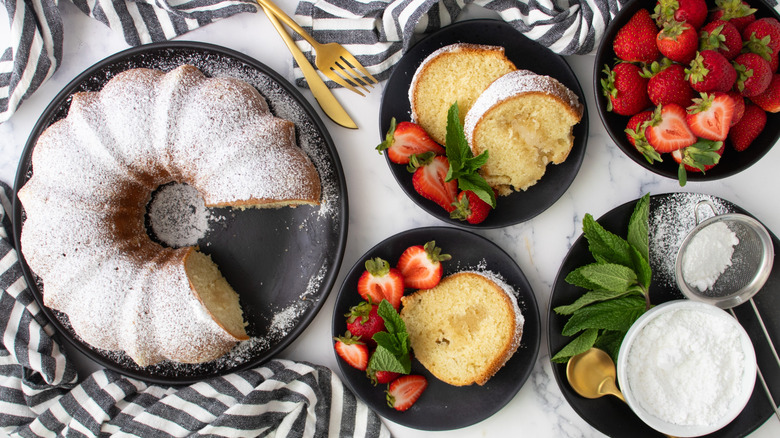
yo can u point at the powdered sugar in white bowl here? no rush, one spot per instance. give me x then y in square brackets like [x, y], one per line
[686, 368]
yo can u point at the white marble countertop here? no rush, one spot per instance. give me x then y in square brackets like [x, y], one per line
[379, 208]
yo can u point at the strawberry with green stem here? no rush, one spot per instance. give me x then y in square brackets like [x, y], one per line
[668, 129]
[353, 351]
[625, 89]
[421, 265]
[710, 116]
[405, 139]
[430, 179]
[364, 322]
[635, 132]
[698, 157]
[404, 391]
[381, 282]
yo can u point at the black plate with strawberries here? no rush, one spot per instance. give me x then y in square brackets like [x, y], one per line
[525, 54]
[731, 161]
[442, 406]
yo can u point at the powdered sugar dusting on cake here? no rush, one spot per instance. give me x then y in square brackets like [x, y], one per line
[310, 139]
[513, 84]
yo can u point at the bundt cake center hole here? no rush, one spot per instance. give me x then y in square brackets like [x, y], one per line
[176, 216]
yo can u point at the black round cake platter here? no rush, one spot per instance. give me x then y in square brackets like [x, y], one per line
[282, 262]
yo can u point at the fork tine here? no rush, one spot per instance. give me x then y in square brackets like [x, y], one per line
[351, 76]
[339, 80]
[354, 62]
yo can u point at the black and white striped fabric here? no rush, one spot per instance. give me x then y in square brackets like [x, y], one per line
[40, 395]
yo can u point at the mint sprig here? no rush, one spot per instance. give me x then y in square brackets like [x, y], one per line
[392, 351]
[464, 165]
[617, 285]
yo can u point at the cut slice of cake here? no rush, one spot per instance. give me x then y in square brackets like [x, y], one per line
[455, 73]
[525, 121]
[464, 329]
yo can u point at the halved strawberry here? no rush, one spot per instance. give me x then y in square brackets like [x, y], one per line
[668, 129]
[710, 116]
[470, 208]
[421, 265]
[404, 391]
[430, 179]
[406, 139]
[379, 281]
[354, 352]
[364, 322]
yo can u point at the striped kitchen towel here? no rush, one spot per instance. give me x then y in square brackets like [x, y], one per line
[40, 394]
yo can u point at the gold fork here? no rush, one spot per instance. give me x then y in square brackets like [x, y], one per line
[332, 59]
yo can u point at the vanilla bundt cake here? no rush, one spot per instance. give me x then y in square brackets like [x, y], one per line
[525, 120]
[93, 174]
[464, 329]
[455, 73]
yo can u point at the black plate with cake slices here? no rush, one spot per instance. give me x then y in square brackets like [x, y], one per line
[671, 218]
[282, 262]
[443, 406]
[525, 54]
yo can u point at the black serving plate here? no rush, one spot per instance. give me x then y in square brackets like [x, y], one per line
[732, 162]
[282, 262]
[443, 406]
[525, 54]
[610, 415]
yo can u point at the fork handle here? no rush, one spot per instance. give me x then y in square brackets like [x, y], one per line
[281, 15]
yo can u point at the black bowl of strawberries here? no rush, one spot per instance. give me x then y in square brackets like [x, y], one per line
[690, 89]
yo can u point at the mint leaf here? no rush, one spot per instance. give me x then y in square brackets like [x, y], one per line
[464, 166]
[392, 351]
[580, 344]
[456, 147]
[393, 322]
[642, 268]
[605, 246]
[603, 276]
[588, 298]
[609, 341]
[385, 360]
[479, 186]
[617, 314]
[638, 234]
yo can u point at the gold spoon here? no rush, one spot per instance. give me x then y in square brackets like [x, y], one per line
[592, 374]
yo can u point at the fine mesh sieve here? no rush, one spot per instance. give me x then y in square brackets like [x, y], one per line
[750, 265]
[751, 261]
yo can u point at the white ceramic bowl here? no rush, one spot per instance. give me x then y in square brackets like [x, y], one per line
[629, 371]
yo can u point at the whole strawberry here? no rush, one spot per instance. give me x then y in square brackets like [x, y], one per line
[625, 89]
[693, 12]
[469, 207]
[769, 100]
[747, 130]
[678, 41]
[635, 132]
[721, 36]
[668, 85]
[363, 322]
[753, 74]
[738, 12]
[769, 28]
[711, 71]
[635, 41]
[739, 106]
